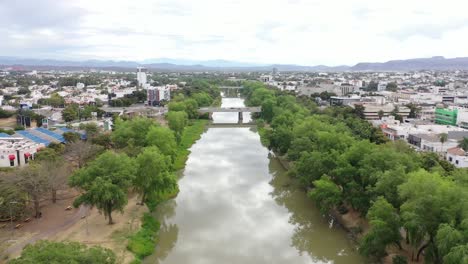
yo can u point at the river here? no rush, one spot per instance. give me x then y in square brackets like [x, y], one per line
[237, 205]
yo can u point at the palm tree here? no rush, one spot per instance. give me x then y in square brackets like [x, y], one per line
[443, 138]
[463, 144]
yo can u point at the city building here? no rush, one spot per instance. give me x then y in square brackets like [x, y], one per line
[444, 116]
[457, 156]
[158, 95]
[374, 111]
[342, 100]
[141, 76]
[15, 152]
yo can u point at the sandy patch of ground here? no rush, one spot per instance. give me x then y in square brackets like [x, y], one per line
[59, 224]
[8, 122]
[54, 218]
[94, 230]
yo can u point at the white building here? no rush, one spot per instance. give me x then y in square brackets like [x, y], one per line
[80, 85]
[141, 76]
[15, 152]
[382, 86]
[458, 157]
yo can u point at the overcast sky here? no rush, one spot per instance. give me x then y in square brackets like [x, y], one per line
[307, 32]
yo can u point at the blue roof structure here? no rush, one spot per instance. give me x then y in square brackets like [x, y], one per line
[51, 134]
[4, 135]
[32, 137]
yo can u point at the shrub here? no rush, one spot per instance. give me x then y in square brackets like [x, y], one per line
[143, 242]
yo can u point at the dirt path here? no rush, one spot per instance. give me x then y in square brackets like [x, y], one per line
[94, 230]
[15, 249]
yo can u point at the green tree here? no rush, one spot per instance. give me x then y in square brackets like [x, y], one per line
[164, 139]
[457, 255]
[70, 113]
[372, 86]
[105, 182]
[443, 137]
[384, 213]
[463, 144]
[90, 128]
[203, 99]
[153, 173]
[56, 100]
[46, 252]
[267, 109]
[177, 121]
[374, 243]
[430, 200]
[387, 185]
[71, 136]
[359, 111]
[385, 229]
[447, 238]
[326, 194]
[380, 114]
[414, 110]
[132, 131]
[191, 108]
[393, 87]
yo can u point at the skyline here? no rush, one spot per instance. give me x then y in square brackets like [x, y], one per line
[283, 32]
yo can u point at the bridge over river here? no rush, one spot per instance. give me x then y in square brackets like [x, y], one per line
[240, 110]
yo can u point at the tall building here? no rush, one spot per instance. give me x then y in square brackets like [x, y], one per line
[157, 95]
[141, 76]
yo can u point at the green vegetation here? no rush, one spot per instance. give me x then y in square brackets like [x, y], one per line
[191, 134]
[74, 112]
[177, 122]
[105, 180]
[46, 252]
[158, 153]
[153, 173]
[6, 114]
[142, 243]
[129, 99]
[349, 164]
[55, 100]
[7, 131]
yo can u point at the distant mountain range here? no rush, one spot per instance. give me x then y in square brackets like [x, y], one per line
[167, 64]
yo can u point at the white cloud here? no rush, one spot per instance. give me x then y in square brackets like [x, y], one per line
[264, 31]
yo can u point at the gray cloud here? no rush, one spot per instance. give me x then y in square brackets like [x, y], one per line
[39, 14]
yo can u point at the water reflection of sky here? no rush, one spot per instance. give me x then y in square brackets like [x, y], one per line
[231, 210]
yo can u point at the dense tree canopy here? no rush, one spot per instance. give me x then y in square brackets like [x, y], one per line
[153, 173]
[105, 182]
[348, 163]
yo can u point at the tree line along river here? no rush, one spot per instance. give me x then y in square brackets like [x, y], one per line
[238, 205]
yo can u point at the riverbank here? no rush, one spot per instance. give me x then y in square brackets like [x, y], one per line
[190, 135]
[142, 242]
[343, 163]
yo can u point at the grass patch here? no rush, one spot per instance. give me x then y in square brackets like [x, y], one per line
[143, 242]
[156, 198]
[262, 131]
[191, 134]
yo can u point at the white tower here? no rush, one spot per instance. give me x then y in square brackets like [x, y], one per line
[141, 76]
